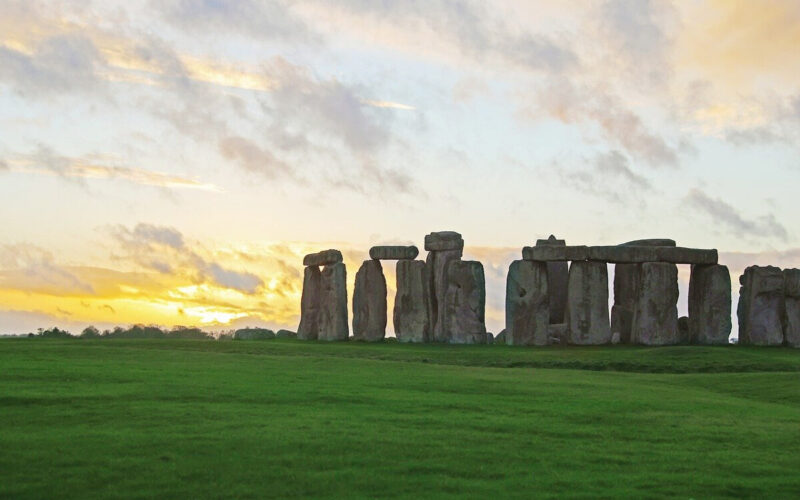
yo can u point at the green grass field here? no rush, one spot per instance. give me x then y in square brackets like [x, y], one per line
[199, 419]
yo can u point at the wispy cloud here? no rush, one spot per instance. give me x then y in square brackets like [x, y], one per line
[45, 161]
[726, 214]
[389, 104]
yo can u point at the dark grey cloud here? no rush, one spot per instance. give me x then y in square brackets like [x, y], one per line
[164, 250]
[726, 214]
[610, 176]
[254, 158]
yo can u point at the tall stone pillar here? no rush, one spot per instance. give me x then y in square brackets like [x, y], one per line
[333, 302]
[761, 303]
[411, 319]
[557, 277]
[465, 303]
[369, 302]
[655, 319]
[528, 309]
[791, 321]
[443, 248]
[587, 304]
[310, 305]
[626, 281]
[709, 304]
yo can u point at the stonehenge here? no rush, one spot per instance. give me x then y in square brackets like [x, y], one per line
[410, 316]
[527, 303]
[709, 304]
[369, 302]
[555, 294]
[587, 304]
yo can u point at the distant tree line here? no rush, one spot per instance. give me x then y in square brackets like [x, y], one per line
[155, 332]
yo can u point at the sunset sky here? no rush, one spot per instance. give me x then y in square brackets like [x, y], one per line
[170, 162]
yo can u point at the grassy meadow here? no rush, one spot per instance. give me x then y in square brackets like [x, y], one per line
[284, 418]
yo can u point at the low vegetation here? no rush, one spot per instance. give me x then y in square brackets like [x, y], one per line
[185, 418]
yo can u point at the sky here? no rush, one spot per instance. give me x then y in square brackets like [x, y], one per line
[170, 162]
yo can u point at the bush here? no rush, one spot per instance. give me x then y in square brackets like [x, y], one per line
[253, 334]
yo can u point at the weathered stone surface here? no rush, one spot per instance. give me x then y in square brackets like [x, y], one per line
[489, 338]
[443, 240]
[369, 302]
[710, 304]
[554, 253]
[393, 252]
[587, 304]
[761, 304]
[465, 303]
[285, 334]
[500, 338]
[791, 319]
[558, 333]
[411, 319]
[620, 254]
[436, 278]
[253, 334]
[323, 258]
[681, 255]
[333, 303]
[683, 330]
[527, 303]
[615, 339]
[655, 319]
[651, 242]
[557, 275]
[626, 281]
[310, 304]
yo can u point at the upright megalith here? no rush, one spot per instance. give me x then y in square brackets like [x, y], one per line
[791, 318]
[709, 304]
[557, 277]
[310, 304]
[655, 318]
[369, 302]
[527, 303]
[411, 321]
[761, 303]
[587, 304]
[333, 303]
[626, 281]
[443, 248]
[464, 304]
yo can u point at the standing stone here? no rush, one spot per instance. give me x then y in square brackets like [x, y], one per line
[500, 338]
[684, 336]
[527, 304]
[655, 319]
[587, 304]
[369, 302]
[310, 305]
[411, 321]
[626, 281]
[557, 276]
[760, 307]
[436, 270]
[791, 321]
[710, 304]
[333, 303]
[465, 303]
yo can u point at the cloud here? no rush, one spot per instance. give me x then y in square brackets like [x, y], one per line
[389, 104]
[610, 177]
[3, 165]
[253, 158]
[36, 269]
[44, 160]
[260, 20]
[57, 65]
[164, 250]
[725, 214]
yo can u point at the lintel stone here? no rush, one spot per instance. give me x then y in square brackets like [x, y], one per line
[393, 252]
[323, 258]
